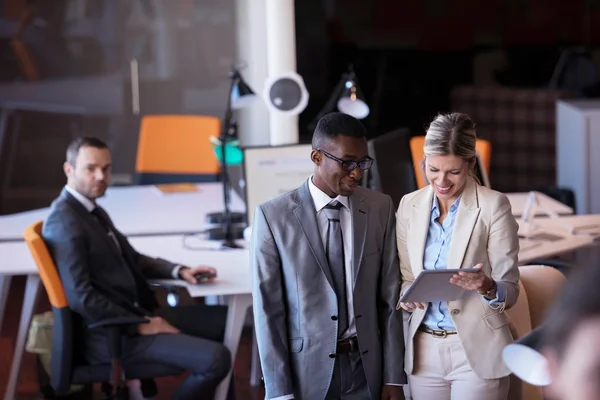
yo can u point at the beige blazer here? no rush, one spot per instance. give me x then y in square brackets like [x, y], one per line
[485, 231]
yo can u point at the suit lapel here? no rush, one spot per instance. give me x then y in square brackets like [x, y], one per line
[90, 220]
[307, 218]
[358, 210]
[466, 216]
[417, 231]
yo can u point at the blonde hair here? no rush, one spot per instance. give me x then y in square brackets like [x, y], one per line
[452, 134]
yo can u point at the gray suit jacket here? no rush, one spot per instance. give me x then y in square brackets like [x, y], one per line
[99, 280]
[294, 299]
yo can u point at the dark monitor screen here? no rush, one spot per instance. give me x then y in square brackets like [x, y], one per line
[392, 172]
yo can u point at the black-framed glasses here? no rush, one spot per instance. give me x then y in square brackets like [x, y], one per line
[363, 164]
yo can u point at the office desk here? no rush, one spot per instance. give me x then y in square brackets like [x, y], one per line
[233, 280]
[142, 210]
[572, 232]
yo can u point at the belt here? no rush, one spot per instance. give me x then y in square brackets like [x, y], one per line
[347, 345]
[436, 332]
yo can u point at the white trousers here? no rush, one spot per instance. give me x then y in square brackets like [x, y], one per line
[442, 372]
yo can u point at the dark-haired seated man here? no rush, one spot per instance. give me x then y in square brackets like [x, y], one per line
[105, 277]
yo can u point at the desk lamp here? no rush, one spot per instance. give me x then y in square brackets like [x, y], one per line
[240, 96]
[347, 97]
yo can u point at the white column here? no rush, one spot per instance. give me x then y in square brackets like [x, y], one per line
[253, 122]
[281, 58]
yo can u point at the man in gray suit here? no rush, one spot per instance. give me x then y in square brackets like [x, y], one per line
[326, 279]
[105, 277]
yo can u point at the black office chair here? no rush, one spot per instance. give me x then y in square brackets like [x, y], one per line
[66, 368]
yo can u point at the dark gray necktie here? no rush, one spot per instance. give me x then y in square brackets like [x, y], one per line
[335, 256]
[104, 221]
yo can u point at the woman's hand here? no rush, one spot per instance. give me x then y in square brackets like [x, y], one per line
[410, 307]
[472, 280]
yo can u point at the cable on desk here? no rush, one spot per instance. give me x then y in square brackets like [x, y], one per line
[201, 236]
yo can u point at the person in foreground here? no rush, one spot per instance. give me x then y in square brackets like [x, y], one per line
[454, 348]
[105, 277]
[570, 338]
[326, 279]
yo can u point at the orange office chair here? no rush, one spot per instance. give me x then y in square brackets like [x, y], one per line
[483, 147]
[177, 149]
[66, 368]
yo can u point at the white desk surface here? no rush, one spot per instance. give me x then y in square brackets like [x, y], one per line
[233, 266]
[576, 230]
[142, 210]
[519, 200]
[233, 271]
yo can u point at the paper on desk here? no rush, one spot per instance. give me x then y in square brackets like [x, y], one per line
[171, 188]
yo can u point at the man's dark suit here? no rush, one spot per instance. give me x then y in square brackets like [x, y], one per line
[103, 278]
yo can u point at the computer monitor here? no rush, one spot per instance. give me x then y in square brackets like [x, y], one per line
[270, 171]
[392, 172]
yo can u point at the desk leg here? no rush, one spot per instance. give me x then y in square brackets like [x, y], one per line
[4, 289]
[29, 303]
[236, 314]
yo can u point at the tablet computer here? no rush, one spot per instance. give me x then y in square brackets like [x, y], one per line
[434, 285]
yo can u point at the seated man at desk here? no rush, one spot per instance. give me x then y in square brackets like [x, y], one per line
[105, 277]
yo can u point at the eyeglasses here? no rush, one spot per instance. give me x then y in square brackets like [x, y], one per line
[363, 164]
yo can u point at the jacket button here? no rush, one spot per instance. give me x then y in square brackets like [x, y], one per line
[332, 355]
[455, 311]
[334, 317]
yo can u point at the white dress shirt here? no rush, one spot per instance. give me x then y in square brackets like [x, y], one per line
[90, 205]
[321, 200]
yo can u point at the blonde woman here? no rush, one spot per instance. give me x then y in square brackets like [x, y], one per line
[453, 348]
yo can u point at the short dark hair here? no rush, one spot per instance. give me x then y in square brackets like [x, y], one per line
[578, 301]
[75, 145]
[336, 124]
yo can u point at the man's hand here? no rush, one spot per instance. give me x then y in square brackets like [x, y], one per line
[155, 326]
[410, 307]
[472, 280]
[392, 392]
[187, 274]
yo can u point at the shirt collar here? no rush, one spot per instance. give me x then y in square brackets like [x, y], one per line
[87, 203]
[321, 199]
[435, 205]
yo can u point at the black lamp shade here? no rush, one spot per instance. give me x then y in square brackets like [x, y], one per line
[241, 94]
[525, 361]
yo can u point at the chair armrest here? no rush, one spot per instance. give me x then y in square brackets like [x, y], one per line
[169, 285]
[564, 267]
[118, 322]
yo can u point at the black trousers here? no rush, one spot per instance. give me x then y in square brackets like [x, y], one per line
[197, 348]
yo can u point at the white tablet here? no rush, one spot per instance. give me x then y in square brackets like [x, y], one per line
[434, 285]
